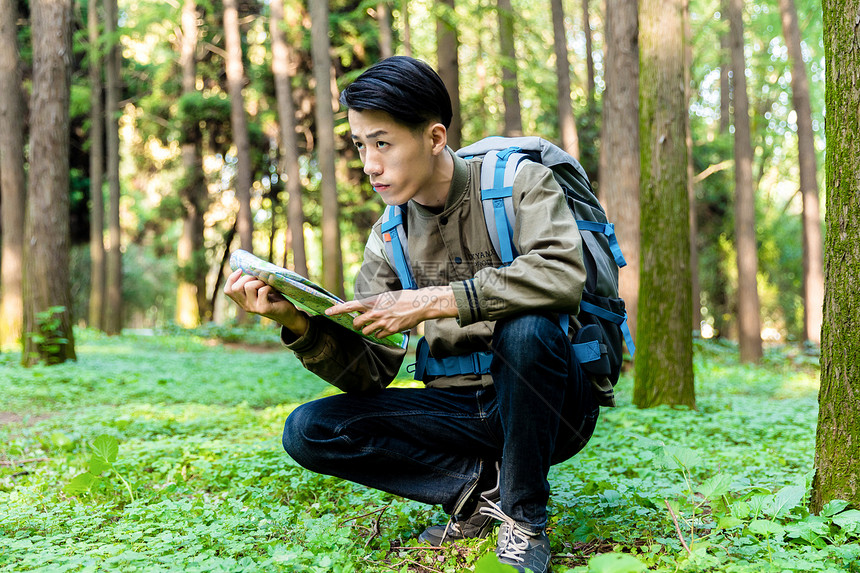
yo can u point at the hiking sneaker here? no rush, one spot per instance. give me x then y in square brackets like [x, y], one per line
[523, 551]
[470, 526]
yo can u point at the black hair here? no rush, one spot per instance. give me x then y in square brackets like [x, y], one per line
[407, 89]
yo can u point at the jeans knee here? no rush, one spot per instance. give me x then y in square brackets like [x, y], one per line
[530, 337]
[297, 439]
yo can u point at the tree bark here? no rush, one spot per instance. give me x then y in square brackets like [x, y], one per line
[191, 300]
[407, 30]
[749, 319]
[332, 257]
[589, 56]
[837, 449]
[725, 68]
[283, 72]
[813, 264]
[510, 91]
[447, 44]
[691, 188]
[239, 121]
[664, 359]
[113, 311]
[12, 178]
[619, 153]
[386, 38]
[46, 273]
[566, 121]
[97, 162]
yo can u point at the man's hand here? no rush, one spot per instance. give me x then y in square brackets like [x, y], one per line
[255, 296]
[396, 311]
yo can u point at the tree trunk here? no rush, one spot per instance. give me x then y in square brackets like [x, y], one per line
[47, 294]
[510, 91]
[566, 122]
[691, 188]
[239, 122]
[407, 31]
[619, 153]
[725, 85]
[837, 448]
[191, 300]
[386, 38]
[813, 265]
[283, 72]
[589, 56]
[749, 319]
[447, 44]
[332, 257]
[113, 311]
[97, 162]
[12, 178]
[664, 359]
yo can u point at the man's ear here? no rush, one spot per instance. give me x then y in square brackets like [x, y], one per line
[438, 137]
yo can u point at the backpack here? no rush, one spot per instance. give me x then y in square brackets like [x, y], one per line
[597, 343]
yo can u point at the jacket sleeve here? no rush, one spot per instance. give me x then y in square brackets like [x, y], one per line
[548, 274]
[342, 357]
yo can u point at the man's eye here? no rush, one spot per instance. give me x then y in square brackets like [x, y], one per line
[358, 145]
[381, 144]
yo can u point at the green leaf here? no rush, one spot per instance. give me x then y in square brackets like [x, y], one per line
[614, 563]
[848, 520]
[105, 447]
[715, 486]
[679, 458]
[80, 484]
[728, 522]
[766, 527]
[97, 465]
[833, 507]
[785, 500]
[489, 563]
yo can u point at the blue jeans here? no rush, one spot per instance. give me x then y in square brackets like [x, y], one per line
[434, 444]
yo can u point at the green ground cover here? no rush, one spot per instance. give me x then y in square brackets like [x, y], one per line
[162, 453]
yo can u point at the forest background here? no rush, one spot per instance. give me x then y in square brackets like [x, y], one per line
[141, 142]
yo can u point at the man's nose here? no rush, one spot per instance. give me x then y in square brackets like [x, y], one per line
[372, 166]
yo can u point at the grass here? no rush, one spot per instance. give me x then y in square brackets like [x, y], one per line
[196, 425]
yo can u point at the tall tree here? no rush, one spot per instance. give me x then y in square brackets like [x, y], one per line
[12, 177]
[447, 45]
[113, 311]
[749, 308]
[837, 448]
[664, 361]
[191, 300]
[407, 30]
[282, 68]
[813, 264]
[97, 161]
[589, 56]
[239, 122]
[332, 257]
[566, 121]
[47, 237]
[510, 90]
[696, 322]
[386, 37]
[619, 150]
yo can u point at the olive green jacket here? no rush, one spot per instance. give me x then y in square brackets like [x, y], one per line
[454, 248]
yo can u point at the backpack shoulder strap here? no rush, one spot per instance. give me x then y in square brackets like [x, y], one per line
[498, 171]
[396, 246]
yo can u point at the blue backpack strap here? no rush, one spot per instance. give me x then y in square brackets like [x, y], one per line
[396, 247]
[426, 365]
[498, 171]
[620, 320]
[607, 229]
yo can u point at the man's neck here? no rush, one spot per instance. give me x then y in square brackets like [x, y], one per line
[436, 193]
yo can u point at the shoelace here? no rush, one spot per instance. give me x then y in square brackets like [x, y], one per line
[513, 543]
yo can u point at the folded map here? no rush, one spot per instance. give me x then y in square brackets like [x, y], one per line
[304, 293]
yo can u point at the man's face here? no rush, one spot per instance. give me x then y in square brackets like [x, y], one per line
[399, 160]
